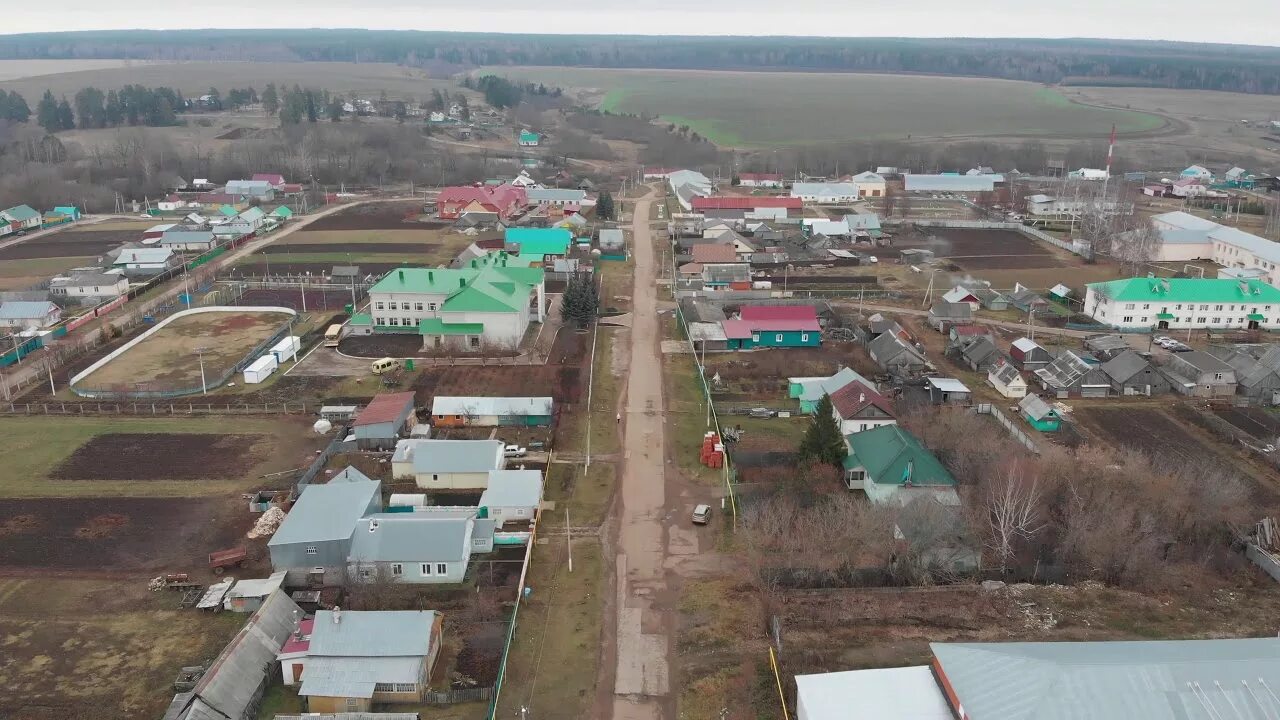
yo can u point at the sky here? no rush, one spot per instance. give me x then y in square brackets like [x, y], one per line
[1242, 21]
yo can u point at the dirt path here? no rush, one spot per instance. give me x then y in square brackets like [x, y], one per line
[644, 623]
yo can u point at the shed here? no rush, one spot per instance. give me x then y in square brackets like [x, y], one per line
[249, 595]
[1042, 416]
[476, 411]
[386, 417]
[261, 369]
[948, 391]
[1028, 355]
[991, 299]
[1070, 375]
[944, 314]
[1199, 374]
[1105, 347]
[513, 495]
[905, 693]
[447, 464]
[422, 547]
[980, 354]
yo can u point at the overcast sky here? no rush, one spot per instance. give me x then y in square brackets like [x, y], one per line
[1242, 21]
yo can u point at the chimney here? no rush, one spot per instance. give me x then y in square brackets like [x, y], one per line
[337, 615]
[401, 273]
[431, 276]
[297, 626]
[462, 282]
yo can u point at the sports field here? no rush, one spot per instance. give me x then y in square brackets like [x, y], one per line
[761, 108]
[170, 359]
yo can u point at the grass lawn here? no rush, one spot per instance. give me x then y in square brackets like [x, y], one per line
[98, 648]
[23, 274]
[556, 648]
[586, 495]
[617, 279]
[604, 405]
[35, 445]
[757, 108]
[687, 418]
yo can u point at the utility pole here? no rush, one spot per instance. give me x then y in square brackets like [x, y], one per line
[568, 536]
[48, 367]
[200, 351]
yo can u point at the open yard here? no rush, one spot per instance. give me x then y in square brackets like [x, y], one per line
[133, 457]
[758, 108]
[1259, 423]
[1146, 429]
[97, 648]
[170, 358]
[29, 263]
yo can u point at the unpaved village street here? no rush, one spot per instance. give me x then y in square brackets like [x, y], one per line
[642, 684]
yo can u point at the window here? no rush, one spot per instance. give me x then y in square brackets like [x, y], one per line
[1217, 376]
[778, 337]
[406, 322]
[1128, 318]
[353, 704]
[406, 687]
[417, 306]
[311, 550]
[1146, 306]
[442, 569]
[1128, 306]
[1144, 319]
[393, 321]
[804, 337]
[1217, 320]
[474, 341]
[1218, 308]
[1178, 306]
[397, 569]
[426, 569]
[520, 512]
[383, 687]
[431, 306]
[1200, 319]
[1204, 307]
[755, 337]
[379, 306]
[366, 574]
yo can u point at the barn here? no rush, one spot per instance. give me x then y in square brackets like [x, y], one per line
[491, 411]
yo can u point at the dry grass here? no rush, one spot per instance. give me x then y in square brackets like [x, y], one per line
[97, 648]
[11, 70]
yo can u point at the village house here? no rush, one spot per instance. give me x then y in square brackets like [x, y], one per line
[347, 660]
[274, 180]
[528, 138]
[477, 411]
[896, 356]
[188, 241]
[809, 390]
[19, 218]
[1132, 374]
[252, 189]
[870, 184]
[1182, 303]
[425, 547]
[980, 354]
[1257, 370]
[145, 262]
[488, 303]
[960, 294]
[498, 203]
[513, 496]
[991, 299]
[891, 466]
[90, 285]
[1006, 379]
[1041, 415]
[858, 407]
[943, 315]
[765, 180]
[763, 326]
[556, 197]
[20, 315]
[1133, 680]
[447, 464]
[825, 193]
[1199, 374]
[1028, 355]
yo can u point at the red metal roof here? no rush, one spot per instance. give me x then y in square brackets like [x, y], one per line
[273, 178]
[743, 329]
[970, 330]
[853, 398]
[724, 202]
[736, 329]
[714, 253]
[386, 407]
[294, 644]
[779, 312]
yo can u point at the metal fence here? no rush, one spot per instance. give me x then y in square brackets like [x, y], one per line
[452, 697]
[338, 445]
[1014, 430]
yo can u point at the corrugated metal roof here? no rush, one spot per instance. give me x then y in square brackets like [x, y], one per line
[372, 633]
[948, 385]
[909, 693]
[487, 406]
[25, 309]
[411, 537]
[735, 202]
[753, 313]
[1143, 680]
[1035, 407]
[385, 407]
[450, 456]
[513, 488]
[951, 183]
[326, 512]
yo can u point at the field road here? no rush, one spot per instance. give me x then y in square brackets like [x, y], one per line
[59, 228]
[641, 684]
[23, 373]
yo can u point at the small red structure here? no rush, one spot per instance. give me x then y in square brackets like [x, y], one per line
[220, 560]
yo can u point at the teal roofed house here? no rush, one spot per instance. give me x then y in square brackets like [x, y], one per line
[1184, 303]
[283, 212]
[487, 304]
[890, 465]
[19, 218]
[529, 139]
[809, 390]
[538, 243]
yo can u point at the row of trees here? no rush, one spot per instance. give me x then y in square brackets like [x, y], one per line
[94, 109]
[13, 107]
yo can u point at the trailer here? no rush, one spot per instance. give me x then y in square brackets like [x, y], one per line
[287, 349]
[220, 560]
[260, 369]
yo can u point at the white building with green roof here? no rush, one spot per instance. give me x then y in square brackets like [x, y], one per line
[486, 304]
[1184, 303]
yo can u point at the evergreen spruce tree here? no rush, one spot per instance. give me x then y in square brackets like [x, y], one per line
[822, 441]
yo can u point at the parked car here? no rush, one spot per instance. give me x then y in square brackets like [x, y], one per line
[873, 259]
[1163, 341]
[513, 451]
[701, 514]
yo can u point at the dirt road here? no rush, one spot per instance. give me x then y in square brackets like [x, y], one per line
[644, 626]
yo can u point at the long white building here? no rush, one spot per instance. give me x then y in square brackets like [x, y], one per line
[1184, 303]
[1185, 237]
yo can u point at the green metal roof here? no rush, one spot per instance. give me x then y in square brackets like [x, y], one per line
[1202, 290]
[361, 319]
[893, 456]
[529, 136]
[540, 241]
[20, 213]
[283, 211]
[436, 326]
[1256, 316]
[1165, 316]
[486, 284]
[228, 211]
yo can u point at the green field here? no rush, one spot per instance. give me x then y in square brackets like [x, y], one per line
[763, 108]
[35, 446]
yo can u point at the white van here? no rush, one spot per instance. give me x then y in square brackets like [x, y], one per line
[385, 365]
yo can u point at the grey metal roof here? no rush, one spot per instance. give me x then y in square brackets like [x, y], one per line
[344, 677]
[951, 310]
[144, 255]
[1065, 371]
[1005, 373]
[231, 684]
[1106, 343]
[1034, 407]
[612, 237]
[513, 488]
[484, 406]
[1124, 366]
[450, 456]
[980, 350]
[87, 280]
[1145, 680]
[183, 237]
[951, 183]
[25, 310]
[371, 633]
[1200, 361]
[555, 195]
[411, 537]
[326, 512]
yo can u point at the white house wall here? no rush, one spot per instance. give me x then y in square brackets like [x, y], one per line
[1142, 315]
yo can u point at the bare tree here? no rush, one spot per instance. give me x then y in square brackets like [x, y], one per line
[1013, 509]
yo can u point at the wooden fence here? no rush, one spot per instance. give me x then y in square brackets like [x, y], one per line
[453, 697]
[1014, 430]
